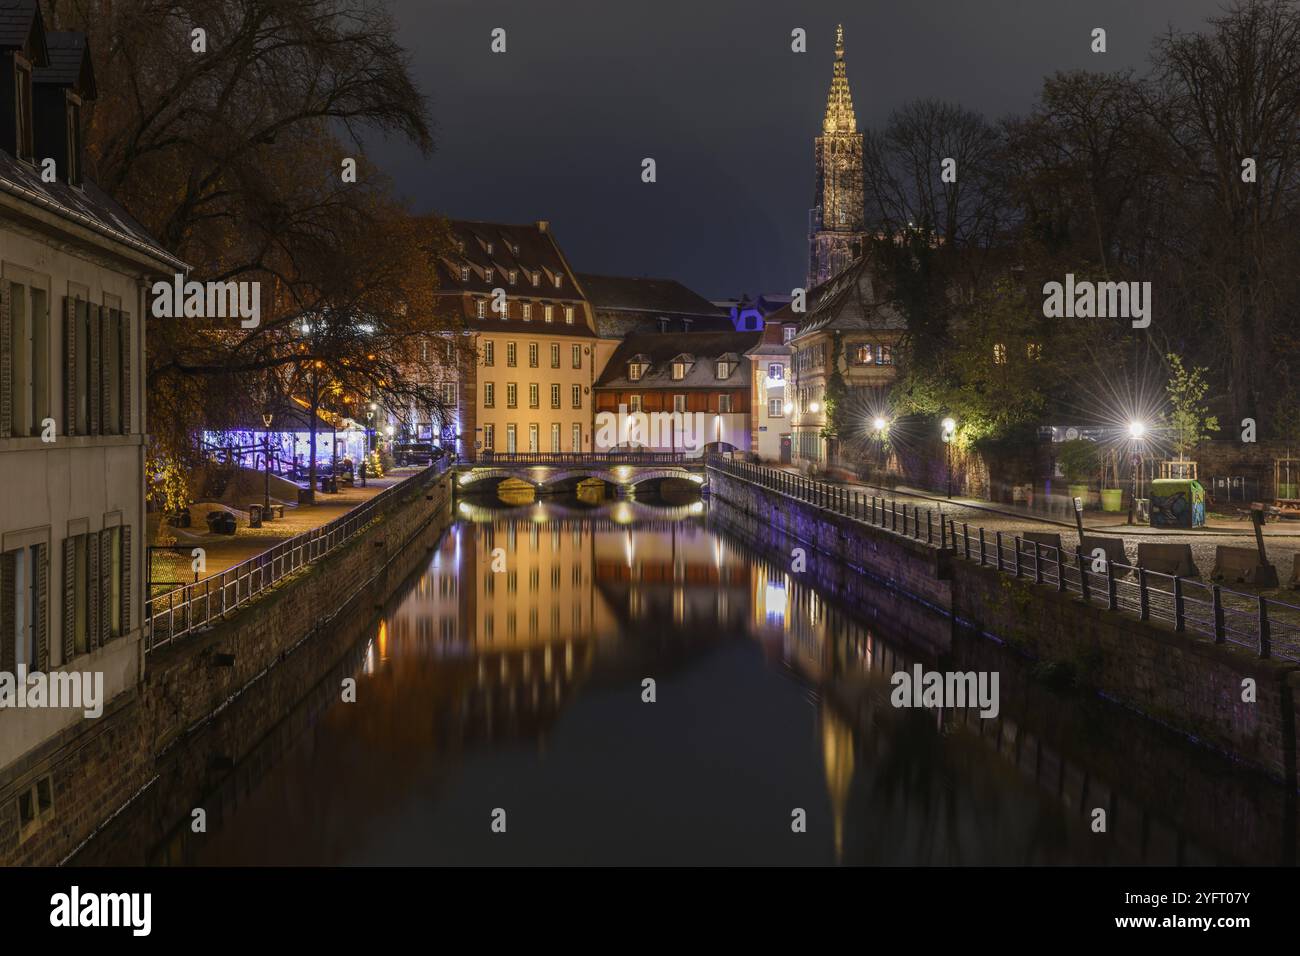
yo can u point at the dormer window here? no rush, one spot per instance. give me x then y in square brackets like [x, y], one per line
[464, 273]
[568, 315]
[635, 370]
[488, 247]
[514, 276]
[724, 369]
[559, 280]
[679, 371]
[515, 249]
[23, 91]
[487, 275]
[537, 278]
[460, 246]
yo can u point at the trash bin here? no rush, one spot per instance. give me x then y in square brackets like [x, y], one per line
[255, 516]
[1177, 503]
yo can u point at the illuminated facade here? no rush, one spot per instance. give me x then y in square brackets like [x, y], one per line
[836, 229]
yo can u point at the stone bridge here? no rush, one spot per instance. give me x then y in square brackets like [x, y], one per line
[551, 472]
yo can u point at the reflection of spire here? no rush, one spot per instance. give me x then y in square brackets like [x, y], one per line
[839, 103]
[837, 758]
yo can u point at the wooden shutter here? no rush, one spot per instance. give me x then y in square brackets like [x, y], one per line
[69, 599]
[124, 320]
[42, 607]
[105, 586]
[69, 365]
[92, 591]
[126, 578]
[96, 371]
[6, 364]
[8, 655]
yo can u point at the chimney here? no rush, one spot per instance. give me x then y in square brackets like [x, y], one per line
[543, 225]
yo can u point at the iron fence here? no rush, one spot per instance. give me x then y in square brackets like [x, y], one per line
[189, 607]
[585, 458]
[1266, 626]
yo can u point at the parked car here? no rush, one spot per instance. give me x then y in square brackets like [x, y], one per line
[413, 453]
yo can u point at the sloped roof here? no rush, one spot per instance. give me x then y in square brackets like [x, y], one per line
[69, 63]
[18, 20]
[845, 302]
[631, 294]
[705, 348]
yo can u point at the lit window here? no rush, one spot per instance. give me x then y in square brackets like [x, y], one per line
[449, 394]
[537, 278]
[549, 313]
[464, 273]
[999, 354]
[1034, 350]
[487, 275]
[559, 280]
[864, 354]
[885, 355]
[528, 312]
[510, 354]
[724, 404]
[635, 370]
[679, 371]
[724, 369]
[489, 395]
[514, 276]
[568, 315]
[489, 353]
[787, 333]
[480, 308]
[776, 372]
[775, 408]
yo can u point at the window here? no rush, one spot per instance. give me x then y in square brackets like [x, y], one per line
[488, 247]
[510, 439]
[679, 371]
[29, 344]
[489, 394]
[634, 403]
[776, 372]
[532, 355]
[559, 280]
[575, 396]
[537, 278]
[555, 396]
[489, 353]
[487, 273]
[635, 370]
[533, 400]
[81, 319]
[489, 437]
[575, 353]
[724, 404]
[81, 594]
[114, 574]
[863, 354]
[512, 395]
[532, 438]
[510, 355]
[555, 355]
[555, 437]
[724, 369]
[26, 603]
[775, 408]
[514, 276]
[999, 354]
[23, 90]
[679, 403]
[528, 312]
[1034, 351]
[885, 355]
[449, 394]
[480, 308]
[464, 273]
[548, 312]
[788, 333]
[576, 438]
[568, 315]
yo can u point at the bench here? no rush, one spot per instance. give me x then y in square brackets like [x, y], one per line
[1173, 559]
[272, 511]
[1243, 566]
[1112, 548]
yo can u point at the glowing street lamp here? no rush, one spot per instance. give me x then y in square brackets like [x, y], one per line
[1136, 432]
[949, 434]
[814, 407]
[879, 425]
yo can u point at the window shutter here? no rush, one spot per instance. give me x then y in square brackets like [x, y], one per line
[6, 364]
[96, 371]
[126, 578]
[69, 365]
[8, 649]
[92, 592]
[69, 599]
[105, 592]
[107, 346]
[124, 319]
[43, 607]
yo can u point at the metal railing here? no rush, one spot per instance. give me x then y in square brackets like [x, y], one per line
[1266, 626]
[586, 458]
[192, 606]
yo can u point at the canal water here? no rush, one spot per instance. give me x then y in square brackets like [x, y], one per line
[508, 685]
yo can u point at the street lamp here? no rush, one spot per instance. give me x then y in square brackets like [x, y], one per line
[949, 433]
[266, 459]
[879, 424]
[1136, 431]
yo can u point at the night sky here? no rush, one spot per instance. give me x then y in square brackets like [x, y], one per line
[556, 127]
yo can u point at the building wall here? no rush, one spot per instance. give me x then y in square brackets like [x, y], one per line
[76, 484]
[809, 381]
[769, 429]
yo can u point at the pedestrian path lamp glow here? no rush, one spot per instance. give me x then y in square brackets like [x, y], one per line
[1136, 431]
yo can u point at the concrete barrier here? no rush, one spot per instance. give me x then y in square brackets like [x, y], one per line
[1112, 547]
[1295, 570]
[1243, 566]
[1175, 559]
[1048, 539]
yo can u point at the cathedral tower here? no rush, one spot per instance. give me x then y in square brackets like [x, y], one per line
[836, 230]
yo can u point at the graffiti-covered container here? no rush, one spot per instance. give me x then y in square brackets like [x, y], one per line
[1177, 503]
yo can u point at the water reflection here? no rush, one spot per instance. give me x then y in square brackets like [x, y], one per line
[511, 675]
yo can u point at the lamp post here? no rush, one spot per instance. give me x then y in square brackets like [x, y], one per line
[1136, 431]
[266, 459]
[949, 433]
[880, 425]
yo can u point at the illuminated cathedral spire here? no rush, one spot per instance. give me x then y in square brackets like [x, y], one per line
[836, 227]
